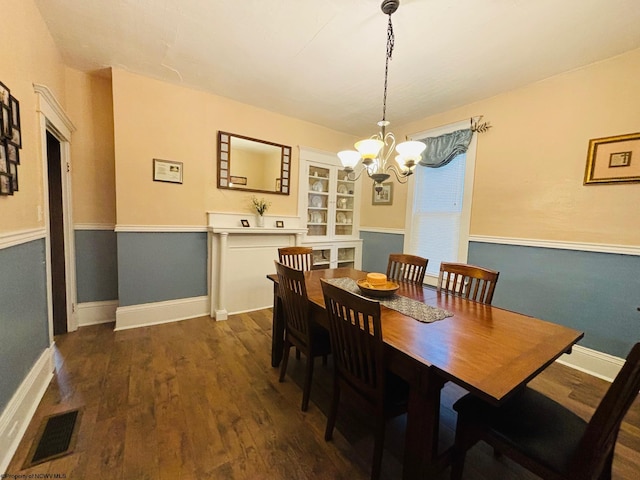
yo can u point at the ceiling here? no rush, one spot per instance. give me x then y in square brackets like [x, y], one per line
[323, 60]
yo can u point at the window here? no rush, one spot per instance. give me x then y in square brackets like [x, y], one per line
[439, 207]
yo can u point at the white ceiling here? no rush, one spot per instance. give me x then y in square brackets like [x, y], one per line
[323, 60]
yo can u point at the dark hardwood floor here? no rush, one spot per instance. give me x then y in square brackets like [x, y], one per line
[198, 399]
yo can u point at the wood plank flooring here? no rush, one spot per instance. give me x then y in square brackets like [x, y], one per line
[198, 399]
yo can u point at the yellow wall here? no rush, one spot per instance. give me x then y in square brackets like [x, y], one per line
[90, 105]
[160, 120]
[530, 165]
[28, 56]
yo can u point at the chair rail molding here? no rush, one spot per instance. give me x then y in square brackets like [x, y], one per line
[240, 258]
[559, 244]
[18, 237]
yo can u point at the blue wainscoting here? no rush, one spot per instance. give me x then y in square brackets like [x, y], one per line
[96, 265]
[24, 331]
[156, 267]
[597, 293]
[376, 248]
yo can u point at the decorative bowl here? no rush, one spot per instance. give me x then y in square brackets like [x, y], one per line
[381, 291]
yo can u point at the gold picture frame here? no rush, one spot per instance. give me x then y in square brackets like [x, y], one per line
[613, 160]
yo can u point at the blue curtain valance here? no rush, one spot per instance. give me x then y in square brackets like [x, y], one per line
[441, 150]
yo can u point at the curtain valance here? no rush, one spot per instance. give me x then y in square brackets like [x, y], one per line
[441, 150]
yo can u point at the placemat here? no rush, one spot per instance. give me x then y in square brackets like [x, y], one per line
[407, 306]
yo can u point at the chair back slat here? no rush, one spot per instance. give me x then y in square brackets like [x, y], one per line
[300, 258]
[599, 440]
[356, 341]
[293, 291]
[406, 268]
[468, 281]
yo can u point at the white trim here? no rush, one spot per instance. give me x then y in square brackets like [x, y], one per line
[597, 364]
[93, 313]
[557, 244]
[52, 118]
[395, 231]
[147, 314]
[94, 226]
[12, 239]
[160, 228]
[19, 411]
[52, 109]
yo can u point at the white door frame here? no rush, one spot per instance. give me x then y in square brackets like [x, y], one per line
[465, 221]
[53, 118]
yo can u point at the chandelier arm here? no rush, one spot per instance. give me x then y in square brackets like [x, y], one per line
[401, 177]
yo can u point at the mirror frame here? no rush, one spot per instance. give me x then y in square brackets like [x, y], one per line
[225, 159]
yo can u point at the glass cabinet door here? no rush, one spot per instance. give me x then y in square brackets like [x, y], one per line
[318, 201]
[344, 205]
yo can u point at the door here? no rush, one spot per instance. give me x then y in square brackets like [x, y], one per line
[56, 229]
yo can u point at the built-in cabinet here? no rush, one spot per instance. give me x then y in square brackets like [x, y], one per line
[331, 204]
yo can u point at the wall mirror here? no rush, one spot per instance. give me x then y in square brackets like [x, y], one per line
[253, 165]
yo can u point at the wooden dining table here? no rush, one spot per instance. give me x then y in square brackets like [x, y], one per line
[487, 350]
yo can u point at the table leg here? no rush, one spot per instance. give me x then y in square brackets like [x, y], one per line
[277, 329]
[423, 417]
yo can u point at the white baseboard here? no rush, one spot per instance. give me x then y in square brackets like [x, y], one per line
[18, 413]
[93, 313]
[147, 314]
[598, 364]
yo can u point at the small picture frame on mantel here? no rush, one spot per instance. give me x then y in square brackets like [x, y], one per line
[279, 224]
[245, 223]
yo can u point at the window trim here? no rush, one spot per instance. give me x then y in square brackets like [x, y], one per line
[469, 175]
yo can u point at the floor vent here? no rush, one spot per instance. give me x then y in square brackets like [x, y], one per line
[56, 437]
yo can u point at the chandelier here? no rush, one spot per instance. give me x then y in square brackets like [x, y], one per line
[376, 151]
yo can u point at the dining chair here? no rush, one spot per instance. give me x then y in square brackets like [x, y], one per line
[545, 437]
[406, 268]
[300, 258]
[308, 337]
[468, 281]
[359, 364]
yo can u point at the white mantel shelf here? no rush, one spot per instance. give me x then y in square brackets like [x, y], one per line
[240, 258]
[258, 231]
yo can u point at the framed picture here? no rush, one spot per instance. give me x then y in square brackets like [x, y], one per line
[238, 180]
[13, 171]
[167, 171]
[5, 123]
[383, 194]
[13, 155]
[14, 105]
[5, 184]
[279, 224]
[5, 93]
[3, 158]
[245, 223]
[613, 160]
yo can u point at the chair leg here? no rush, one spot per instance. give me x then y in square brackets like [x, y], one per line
[333, 412]
[324, 360]
[606, 470]
[285, 360]
[378, 448]
[297, 353]
[457, 462]
[306, 392]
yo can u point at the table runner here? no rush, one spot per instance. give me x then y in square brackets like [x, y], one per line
[407, 306]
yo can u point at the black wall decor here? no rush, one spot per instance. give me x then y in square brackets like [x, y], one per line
[10, 141]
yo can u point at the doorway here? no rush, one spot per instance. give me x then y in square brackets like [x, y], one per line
[56, 231]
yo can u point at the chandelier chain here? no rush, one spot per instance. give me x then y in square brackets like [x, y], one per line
[390, 44]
